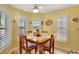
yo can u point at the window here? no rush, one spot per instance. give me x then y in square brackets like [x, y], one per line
[4, 29]
[61, 28]
[36, 24]
[21, 25]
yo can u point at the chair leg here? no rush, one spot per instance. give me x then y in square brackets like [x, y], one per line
[49, 52]
[35, 50]
[29, 52]
[26, 52]
[53, 51]
[20, 51]
[44, 51]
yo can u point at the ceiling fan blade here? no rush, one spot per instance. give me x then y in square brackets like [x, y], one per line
[40, 7]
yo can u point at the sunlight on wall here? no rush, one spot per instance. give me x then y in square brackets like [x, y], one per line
[73, 28]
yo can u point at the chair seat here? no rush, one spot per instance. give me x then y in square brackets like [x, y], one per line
[46, 45]
[30, 48]
[29, 44]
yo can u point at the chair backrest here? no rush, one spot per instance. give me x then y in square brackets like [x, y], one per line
[52, 39]
[52, 42]
[23, 42]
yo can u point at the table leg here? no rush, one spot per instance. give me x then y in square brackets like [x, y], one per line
[40, 49]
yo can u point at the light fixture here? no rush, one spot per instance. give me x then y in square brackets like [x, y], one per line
[35, 9]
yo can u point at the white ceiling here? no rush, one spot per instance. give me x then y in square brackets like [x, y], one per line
[42, 7]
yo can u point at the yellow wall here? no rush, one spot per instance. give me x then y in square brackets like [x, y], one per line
[73, 28]
[13, 12]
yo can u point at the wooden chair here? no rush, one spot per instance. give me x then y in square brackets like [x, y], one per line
[50, 46]
[25, 46]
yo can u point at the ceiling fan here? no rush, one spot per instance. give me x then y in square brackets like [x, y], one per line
[36, 8]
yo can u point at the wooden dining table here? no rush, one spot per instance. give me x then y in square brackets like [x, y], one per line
[39, 41]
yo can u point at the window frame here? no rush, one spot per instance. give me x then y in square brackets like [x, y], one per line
[66, 26]
[9, 29]
[18, 27]
[39, 24]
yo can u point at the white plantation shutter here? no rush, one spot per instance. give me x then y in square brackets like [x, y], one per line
[21, 23]
[21, 26]
[3, 29]
[62, 28]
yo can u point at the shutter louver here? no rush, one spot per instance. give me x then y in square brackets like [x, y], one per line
[3, 29]
[62, 28]
[22, 25]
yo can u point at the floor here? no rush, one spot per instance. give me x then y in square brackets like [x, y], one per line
[57, 51]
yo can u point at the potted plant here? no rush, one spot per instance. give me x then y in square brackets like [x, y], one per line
[37, 32]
